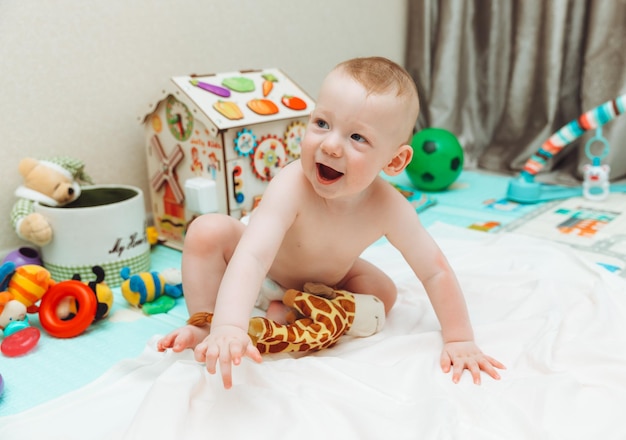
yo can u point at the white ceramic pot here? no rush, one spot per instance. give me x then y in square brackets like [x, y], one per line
[105, 226]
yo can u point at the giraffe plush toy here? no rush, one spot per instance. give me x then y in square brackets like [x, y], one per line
[321, 315]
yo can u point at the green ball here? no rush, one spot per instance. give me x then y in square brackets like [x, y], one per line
[437, 159]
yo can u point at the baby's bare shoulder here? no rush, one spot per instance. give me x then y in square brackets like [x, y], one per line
[387, 196]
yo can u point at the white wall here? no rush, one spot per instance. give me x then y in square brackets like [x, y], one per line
[75, 75]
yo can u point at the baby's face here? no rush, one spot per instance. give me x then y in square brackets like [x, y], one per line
[351, 136]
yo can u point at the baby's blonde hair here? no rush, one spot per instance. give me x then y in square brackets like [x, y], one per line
[379, 75]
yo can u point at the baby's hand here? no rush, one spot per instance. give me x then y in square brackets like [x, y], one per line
[228, 344]
[466, 355]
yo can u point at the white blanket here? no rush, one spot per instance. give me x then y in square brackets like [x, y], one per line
[557, 322]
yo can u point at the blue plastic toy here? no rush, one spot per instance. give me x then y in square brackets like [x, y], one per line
[152, 291]
[524, 189]
[7, 269]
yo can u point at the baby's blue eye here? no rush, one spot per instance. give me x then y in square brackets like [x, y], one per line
[357, 137]
[321, 123]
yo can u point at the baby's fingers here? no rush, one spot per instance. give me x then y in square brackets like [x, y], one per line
[232, 356]
[227, 352]
[445, 362]
[489, 365]
[226, 369]
[495, 363]
[229, 356]
[253, 353]
[235, 352]
[165, 342]
[199, 353]
[460, 366]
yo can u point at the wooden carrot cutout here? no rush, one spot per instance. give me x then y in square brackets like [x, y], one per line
[268, 84]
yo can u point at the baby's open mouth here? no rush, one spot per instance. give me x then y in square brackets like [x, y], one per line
[327, 174]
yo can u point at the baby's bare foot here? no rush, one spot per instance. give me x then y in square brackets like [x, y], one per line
[185, 337]
[278, 312]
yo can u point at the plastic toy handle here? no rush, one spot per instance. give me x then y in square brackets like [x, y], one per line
[592, 119]
[21, 342]
[87, 306]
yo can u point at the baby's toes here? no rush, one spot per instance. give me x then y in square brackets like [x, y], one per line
[164, 343]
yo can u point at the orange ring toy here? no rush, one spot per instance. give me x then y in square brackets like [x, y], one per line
[86, 304]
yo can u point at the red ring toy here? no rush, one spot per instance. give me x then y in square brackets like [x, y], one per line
[87, 306]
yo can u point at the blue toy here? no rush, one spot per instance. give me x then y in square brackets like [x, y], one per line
[524, 189]
[152, 291]
[7, 269]
[437, 159]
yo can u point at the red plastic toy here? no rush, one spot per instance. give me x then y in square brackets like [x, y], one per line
[20, 342]
[86, 305]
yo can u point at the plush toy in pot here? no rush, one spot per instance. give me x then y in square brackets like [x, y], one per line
[54, 182]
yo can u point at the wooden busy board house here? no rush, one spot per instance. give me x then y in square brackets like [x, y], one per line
[213, 143]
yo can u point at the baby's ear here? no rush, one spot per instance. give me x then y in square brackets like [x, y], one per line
[400, 160]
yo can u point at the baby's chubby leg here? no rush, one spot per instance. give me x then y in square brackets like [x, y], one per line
[270, 300]
[209, 245]
[364, 277]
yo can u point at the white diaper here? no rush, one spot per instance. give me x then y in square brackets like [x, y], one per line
[270, 291]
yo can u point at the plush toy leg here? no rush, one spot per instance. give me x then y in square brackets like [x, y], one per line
[302, 335]
[200, 319]
[321, 323]
[320, 308]
[365, 313]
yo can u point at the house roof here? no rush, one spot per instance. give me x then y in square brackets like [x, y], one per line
[211, 98]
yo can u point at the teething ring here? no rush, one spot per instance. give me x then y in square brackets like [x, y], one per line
[87, 306]
[598, 137]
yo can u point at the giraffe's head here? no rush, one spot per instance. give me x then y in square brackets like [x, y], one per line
[369, 316]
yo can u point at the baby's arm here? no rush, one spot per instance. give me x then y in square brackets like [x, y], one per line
[228, 341]
[430, 265]
[460, 352]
